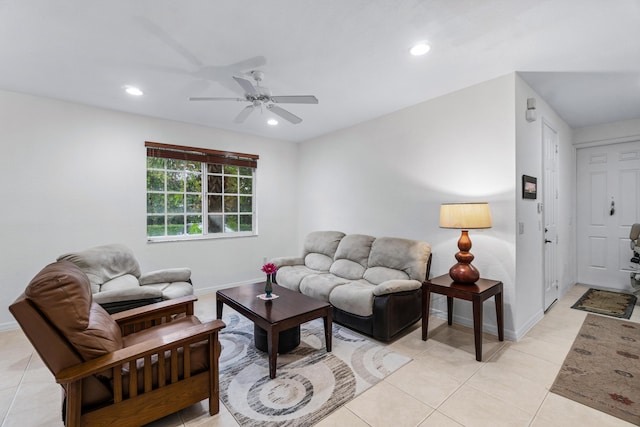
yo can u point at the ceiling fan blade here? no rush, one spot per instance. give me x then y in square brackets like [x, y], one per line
[240, 118]
[165, 37]
[249, 64]
[214, 98]
[246, 85]
[284, 114]
[295, 99]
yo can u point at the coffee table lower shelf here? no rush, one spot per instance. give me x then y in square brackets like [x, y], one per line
[287, 341]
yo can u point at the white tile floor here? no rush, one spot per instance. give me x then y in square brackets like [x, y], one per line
[442, 386]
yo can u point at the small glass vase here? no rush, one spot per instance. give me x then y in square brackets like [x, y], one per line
[268, 288]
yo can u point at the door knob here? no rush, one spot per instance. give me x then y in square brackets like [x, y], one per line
[548, 241]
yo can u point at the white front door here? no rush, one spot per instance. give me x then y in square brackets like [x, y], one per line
[608, 203]
[550, 217]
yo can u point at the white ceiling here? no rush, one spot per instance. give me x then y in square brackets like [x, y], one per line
[582, 56]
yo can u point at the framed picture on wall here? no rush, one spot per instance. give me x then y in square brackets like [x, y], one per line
[529, 187]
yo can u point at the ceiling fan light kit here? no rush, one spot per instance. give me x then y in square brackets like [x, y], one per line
[260, 96]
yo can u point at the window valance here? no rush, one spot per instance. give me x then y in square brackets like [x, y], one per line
[181, 152]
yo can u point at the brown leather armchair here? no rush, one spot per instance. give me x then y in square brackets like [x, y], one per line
[125, 369]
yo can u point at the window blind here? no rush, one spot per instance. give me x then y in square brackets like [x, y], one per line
[181, 152]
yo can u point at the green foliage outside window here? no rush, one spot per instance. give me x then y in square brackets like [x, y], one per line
[187, 198]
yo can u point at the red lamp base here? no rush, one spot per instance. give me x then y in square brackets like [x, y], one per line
[463, 271]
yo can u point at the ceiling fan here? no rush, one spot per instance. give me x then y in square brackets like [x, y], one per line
[260, 96]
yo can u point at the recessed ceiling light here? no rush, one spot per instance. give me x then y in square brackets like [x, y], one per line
[132, 90]
[420, 49]
[272, 122]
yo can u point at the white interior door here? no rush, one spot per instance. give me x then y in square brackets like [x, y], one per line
[608, 203]
[550, 217]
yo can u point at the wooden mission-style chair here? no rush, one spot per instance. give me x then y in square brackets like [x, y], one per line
[126, 369]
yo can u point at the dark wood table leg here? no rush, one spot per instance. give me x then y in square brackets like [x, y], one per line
[327, 330]
[219, 306]
[450, 310]
[426, 301]
[500, 316]
[477, 325]
[272, 350]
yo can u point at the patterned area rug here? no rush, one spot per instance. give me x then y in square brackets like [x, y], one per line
[602, 369]
[616, 304]
[310, 383]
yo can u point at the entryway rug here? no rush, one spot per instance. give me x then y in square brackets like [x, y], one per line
[310, 383]
[616, 304]
[602, 369]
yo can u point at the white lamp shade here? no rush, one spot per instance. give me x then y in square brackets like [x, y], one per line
[465, 215]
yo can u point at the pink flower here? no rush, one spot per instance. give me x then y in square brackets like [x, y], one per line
[269, 268]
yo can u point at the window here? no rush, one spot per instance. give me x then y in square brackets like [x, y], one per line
[198, 193]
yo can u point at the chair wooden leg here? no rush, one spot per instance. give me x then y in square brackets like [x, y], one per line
[214, 380]
[74, 403]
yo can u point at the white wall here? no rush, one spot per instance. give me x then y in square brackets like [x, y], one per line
[74, 177]
[388, 177]
[529, 262]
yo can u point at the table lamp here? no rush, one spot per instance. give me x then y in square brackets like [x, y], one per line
[464, 216]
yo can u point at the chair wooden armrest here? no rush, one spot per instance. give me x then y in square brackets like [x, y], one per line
[150, 315]
[143, 401]
[117, 358]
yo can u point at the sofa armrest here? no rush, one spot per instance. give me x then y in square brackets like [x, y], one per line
[130, 294]
[167, 275]
[287, 261]
[392, 286]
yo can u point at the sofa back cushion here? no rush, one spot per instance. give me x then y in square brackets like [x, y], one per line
[62, 293]
[104, 263]
[393, 258]
[319, 249]
[352, 255]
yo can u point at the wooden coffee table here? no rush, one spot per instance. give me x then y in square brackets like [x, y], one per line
[291, 309]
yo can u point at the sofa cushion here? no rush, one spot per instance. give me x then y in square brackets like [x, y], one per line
[347, 269]
[103, 263]
[322, 242]
[171, 290]
[355, 247]
[377, 275]
[120, 283]
[355, 297]
[61, 291]
[408, 256]
[290, 276]
[319, 262]
[319, 286]
[351, 256]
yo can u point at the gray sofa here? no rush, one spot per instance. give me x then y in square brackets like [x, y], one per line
[117, 283]
[374, 284]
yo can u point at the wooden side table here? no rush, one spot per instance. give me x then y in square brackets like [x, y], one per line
[477, 293]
